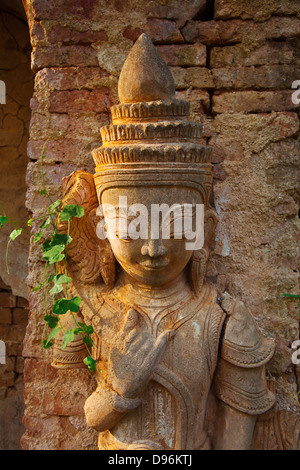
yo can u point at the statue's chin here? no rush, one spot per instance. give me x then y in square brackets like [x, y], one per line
[151, 277]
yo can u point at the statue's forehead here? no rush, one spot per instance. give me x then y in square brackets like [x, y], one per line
[156, 194]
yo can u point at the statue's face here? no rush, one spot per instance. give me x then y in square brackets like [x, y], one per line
[159, 253]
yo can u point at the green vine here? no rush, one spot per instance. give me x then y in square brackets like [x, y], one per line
[55, 248]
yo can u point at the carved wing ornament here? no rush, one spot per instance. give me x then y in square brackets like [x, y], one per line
[90, 258]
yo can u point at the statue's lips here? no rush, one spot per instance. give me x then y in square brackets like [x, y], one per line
[154, 265]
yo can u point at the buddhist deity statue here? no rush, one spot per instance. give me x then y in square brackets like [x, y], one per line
[174, 370]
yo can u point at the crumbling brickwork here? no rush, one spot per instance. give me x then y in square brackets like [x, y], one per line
[235, 61]
[13, 321]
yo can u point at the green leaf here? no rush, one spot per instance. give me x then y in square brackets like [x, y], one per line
[37, 237]
[68, 337]
[51, 321]
[54, 332]
[88, 329]
[54, 206]
[15, 233]
[47, 343]
[62, 306]
[54, 254]
[90, 362]
[37, 287]
[292, 296]
[29, 222]
[57, 239]
[43, 191]
[58, 280]
[72, 210]
[88, 340]
[3, 220]
[46, 222]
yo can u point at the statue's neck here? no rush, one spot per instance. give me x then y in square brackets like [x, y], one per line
[155, 298]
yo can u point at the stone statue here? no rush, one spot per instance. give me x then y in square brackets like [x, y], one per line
[174, 370]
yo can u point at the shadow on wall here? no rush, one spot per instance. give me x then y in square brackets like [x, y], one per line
[16, 81]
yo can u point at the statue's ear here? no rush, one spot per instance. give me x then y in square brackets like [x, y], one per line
[197, 264]
[89, 258]
[210, 223]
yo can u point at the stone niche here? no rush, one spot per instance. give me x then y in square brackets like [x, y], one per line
[16, 74]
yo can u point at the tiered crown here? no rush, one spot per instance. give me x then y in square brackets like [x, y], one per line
[150, 127]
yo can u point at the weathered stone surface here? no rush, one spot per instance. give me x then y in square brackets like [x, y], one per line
[278, 77]
[255, 9]
[54, 56]
[41, 390]
[14, 122]
[183, 55]
[159, 29]
[192, 77]
[232, 31]
[245, 55]
[253, 101]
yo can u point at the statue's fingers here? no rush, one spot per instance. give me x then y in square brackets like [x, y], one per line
[142, 340]
[159, 346]
[130, 323]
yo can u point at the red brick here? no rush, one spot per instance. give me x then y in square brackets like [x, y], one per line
[264, 77]
[21, 302]
[199, 101]
[73, 78]
[253, 101]
[5, 315]
[245, 55]
[55, 56]
[73, 151]
[37, 34]
[80, 101]
[220, 32]
[69, 36]
[183, 55]
[7, 300]
[255, 9]
[19, 365]
[160, 30]
[7, 379]
[16, 333]
[49, 10]
[192, 77]
[20, 316]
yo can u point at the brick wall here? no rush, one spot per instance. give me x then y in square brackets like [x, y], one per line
[13, 321]
[235, 61]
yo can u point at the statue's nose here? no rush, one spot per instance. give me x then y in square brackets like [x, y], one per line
[153, 248]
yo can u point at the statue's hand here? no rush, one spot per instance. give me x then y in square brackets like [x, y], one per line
[134, 357]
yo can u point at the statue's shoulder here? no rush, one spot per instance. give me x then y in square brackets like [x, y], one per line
[240, 379]
[210, 318]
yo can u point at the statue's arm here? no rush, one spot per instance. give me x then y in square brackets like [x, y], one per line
[105, 407]
[240, 383]
[233, 429]
[128, 369]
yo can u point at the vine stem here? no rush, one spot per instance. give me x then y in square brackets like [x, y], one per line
[44, 297]
[42, 173]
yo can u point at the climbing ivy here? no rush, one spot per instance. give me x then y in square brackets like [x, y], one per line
[55, 252]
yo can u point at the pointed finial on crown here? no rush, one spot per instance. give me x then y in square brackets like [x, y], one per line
[145, 76]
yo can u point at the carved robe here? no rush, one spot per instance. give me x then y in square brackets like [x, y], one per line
[200, 362]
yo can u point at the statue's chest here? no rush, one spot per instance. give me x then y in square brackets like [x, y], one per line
[187, 352]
